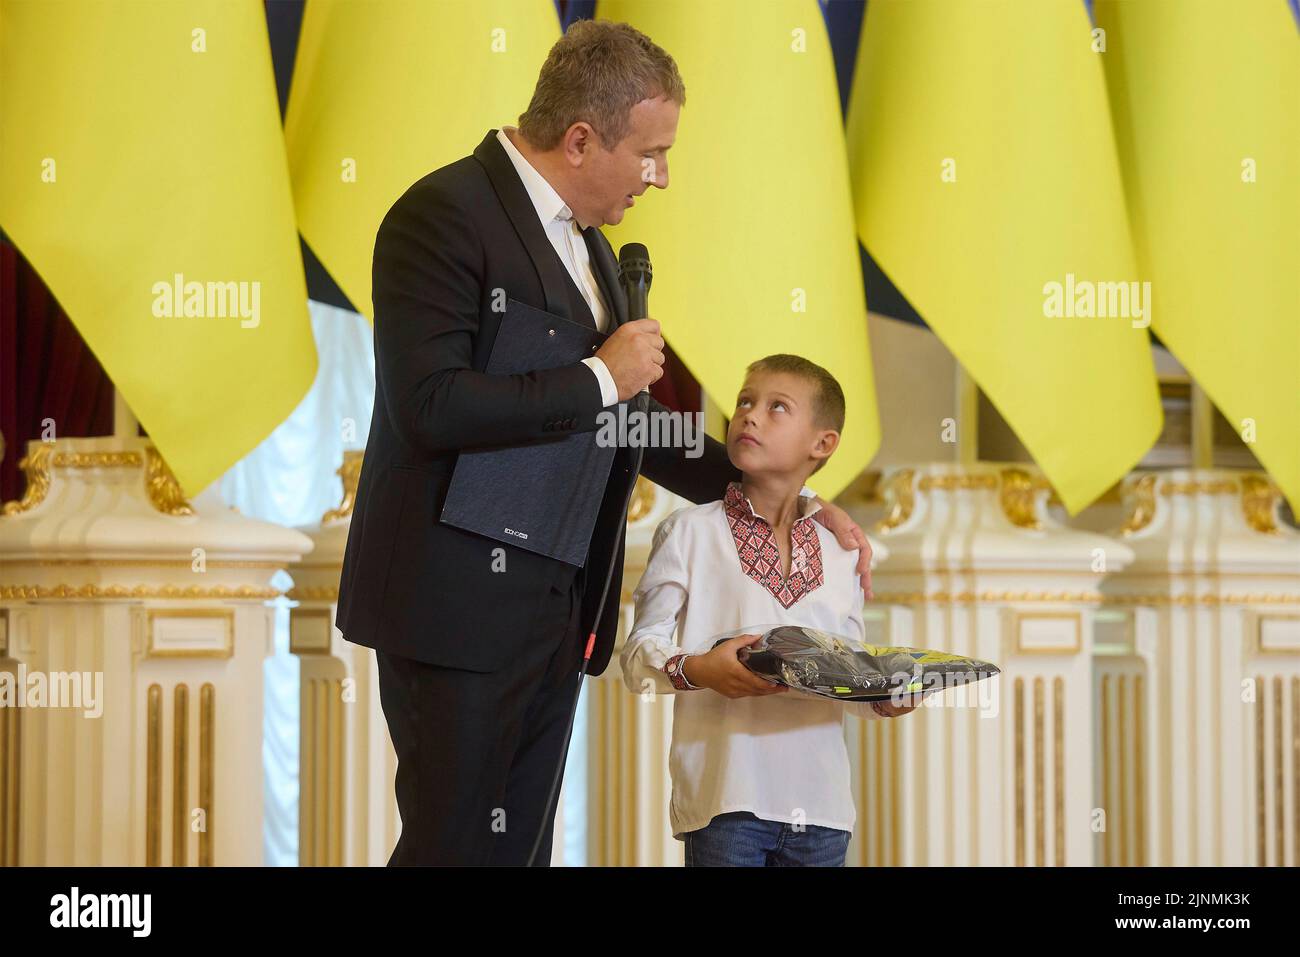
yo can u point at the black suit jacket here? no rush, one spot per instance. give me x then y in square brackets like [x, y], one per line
[448, 253]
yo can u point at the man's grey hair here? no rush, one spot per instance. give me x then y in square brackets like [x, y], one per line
[596, 73]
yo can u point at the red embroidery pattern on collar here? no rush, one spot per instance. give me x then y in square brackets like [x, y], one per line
[761, 559]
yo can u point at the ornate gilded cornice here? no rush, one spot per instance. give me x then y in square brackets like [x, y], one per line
[961, 482]
[1016, 496]
[36, 466]
[643, 500]
[350, 473]
[899, 500]
[1259, 497]
[313, 593]
[1199, 487]
[39, 464]
[967, 597]
[92, 592]
[1142, 506]
[163, 489]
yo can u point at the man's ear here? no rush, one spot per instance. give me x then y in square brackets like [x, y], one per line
[578, 140]
[828, 440]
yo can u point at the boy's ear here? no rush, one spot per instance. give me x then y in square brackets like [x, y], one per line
[828, 440]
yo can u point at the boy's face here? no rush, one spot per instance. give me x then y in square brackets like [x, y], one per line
[772, 430]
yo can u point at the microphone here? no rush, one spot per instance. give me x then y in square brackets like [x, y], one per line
[634, 275]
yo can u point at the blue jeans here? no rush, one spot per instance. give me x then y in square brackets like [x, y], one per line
[739, 839]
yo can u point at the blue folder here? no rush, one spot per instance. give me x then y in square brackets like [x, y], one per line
[544, 496]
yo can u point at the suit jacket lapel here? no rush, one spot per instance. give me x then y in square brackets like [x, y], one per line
[514, 198]
[602, 255]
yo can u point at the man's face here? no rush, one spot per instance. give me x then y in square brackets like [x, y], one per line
[609, 180]
[772, 430]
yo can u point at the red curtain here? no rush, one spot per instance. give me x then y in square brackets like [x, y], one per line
[46, 370]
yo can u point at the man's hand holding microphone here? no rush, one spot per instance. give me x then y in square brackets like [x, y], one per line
[634, 356]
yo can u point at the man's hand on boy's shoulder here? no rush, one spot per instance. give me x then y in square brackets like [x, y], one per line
[720, 670]
[850, 536]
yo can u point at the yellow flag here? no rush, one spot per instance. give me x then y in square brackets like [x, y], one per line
[385, 92]
[987, 188]
[1206, 99]
[142, 173]
[753, 242]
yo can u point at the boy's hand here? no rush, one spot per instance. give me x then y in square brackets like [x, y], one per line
[720, 670]
[894, 710]
[850, 536]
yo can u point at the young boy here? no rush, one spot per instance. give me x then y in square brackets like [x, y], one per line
[760, 773]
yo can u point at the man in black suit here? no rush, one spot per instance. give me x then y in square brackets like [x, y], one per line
[479, 643]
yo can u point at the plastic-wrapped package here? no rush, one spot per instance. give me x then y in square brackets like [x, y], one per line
[846, 669]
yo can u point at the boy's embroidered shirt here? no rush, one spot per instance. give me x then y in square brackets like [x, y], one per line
[780, 756]
[761, 558]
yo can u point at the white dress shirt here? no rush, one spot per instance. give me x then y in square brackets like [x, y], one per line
[562, 230]
[781, 756]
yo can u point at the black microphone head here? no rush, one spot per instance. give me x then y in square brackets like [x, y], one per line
[634, 275]
[634, 258]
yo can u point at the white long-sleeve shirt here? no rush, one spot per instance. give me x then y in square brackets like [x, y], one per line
[714, 571]
[564, 232]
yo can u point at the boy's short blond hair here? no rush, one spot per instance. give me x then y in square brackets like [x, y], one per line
[828, 397]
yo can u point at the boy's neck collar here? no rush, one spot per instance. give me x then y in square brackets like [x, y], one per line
[737, 499]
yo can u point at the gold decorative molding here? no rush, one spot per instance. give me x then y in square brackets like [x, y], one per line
[10, 789]
[1122, 806]
[1255, 628]
[97, 460]
[313, 593]
[643, 500]
[1139, 770]
[1251, 598]
[1075, 618]
[180, 772]
[1261, 809]
[323, 773]
[1199, 487]
[1142, 508]
[207, 775]
[39, 464]
[1259, 496]
[135, 563]
[36, 466]
[298, 617]
[1017, 492]
[899, 498]
[961, 482]
[1040, 811]
[1107, 806]
[1018, 699]
[94, 592]
[922, 598]
[153, 778]
[225, 650]
[162, 488]
[350, 473]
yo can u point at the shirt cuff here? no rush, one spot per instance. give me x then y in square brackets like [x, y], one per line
[608, 389]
